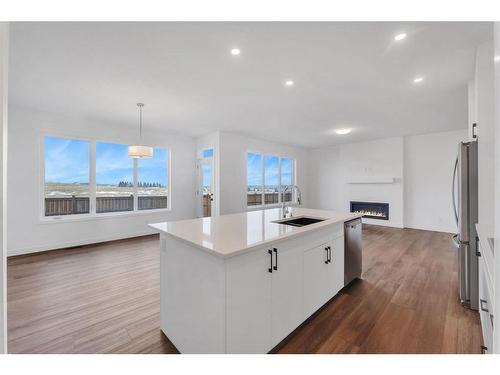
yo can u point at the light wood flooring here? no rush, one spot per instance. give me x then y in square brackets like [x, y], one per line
[105, 299]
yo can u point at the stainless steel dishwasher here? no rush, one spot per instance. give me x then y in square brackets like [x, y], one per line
[353, 250]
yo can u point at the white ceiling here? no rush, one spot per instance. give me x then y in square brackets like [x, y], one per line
[346, 75]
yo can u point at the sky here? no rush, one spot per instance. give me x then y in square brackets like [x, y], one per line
[67, 161]
[271, 165]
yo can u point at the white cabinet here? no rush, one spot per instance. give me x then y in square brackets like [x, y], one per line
[317, 278]
[264, 299]
[323, 274]
[286, 312]
[337, 260]
[248, 303]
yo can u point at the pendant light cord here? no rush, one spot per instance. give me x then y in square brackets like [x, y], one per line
[140, 105]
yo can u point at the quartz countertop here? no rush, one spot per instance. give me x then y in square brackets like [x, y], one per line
[229, 235]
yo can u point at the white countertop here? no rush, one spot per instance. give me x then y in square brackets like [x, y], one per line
[228, 235]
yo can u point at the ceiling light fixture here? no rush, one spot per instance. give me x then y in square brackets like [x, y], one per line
[289, 83]
[139, 151]
[399, 37]
[343, 131]
[235, 51]
[418, 80]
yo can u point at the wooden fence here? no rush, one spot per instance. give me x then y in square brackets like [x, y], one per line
[255, 199]
[81, 205]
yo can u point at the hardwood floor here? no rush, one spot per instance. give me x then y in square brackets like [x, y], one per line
[105, 299]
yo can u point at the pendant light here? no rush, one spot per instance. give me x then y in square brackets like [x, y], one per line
[138, 151]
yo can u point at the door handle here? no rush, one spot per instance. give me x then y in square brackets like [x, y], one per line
[481, 302]
[270, 269]
[455, 211]
[330, 250]
[276, 255]
[327, 256]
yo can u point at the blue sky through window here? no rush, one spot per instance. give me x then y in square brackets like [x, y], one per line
[113, 164]
[208, 153]
[66, 160]
[286, 171]
[271, 169]
[155, 169]
[254, 169]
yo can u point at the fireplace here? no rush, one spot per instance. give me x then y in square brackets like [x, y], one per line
[372, 210]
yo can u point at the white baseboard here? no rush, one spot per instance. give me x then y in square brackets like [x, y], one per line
[63, 245]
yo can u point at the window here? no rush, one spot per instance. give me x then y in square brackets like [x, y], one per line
[208, 153]
[286, 180]
[152, 186]
[114, 178]
[116, 184]
[66, 182]
[269, 179]
[254, 179]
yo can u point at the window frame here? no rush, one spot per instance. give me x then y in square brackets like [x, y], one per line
[93, 215]
[263, 173]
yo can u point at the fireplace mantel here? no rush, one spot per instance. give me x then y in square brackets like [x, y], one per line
[373, 180]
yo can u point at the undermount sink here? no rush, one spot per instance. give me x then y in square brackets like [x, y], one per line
[299, 221]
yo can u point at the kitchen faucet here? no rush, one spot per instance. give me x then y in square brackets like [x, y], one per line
[284, 205]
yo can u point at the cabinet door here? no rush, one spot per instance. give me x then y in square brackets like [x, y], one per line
[287, 284]
[317, 279]
[248, 303]
[336, 266]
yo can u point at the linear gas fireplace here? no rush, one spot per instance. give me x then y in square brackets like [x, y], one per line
[372, 210]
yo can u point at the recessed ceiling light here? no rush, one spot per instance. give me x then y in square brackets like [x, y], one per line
[343, 131]
[418, 80]
[497, 58]
[289, 82]
[400, 37]
[235, 51]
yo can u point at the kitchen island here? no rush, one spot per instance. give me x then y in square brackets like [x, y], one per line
[241, 283]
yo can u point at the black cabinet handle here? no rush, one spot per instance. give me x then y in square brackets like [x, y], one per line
[330, 250]
[327, 257]
[270, 269]
[276, 262]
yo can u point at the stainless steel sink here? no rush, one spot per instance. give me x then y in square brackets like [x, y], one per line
[299, 221]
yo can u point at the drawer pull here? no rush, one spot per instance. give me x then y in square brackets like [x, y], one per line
[482, 301]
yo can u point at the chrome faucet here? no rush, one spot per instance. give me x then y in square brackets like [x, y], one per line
[284, 205]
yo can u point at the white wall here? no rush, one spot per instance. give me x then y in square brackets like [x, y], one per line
[331, 170]
[421, 165]
[429, 162]
[4, 42]
[233, 166]
[27, 233]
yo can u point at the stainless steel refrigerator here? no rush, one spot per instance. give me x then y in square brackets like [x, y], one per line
[465, 211]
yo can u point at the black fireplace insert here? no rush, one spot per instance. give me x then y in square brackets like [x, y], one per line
[372, 210]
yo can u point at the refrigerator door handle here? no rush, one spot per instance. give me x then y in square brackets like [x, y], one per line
[455, 212]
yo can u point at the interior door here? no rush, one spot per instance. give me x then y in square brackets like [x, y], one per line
[205, 189]
[287, 289]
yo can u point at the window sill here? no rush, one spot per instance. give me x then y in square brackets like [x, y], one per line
[268, 206]
[95, 216]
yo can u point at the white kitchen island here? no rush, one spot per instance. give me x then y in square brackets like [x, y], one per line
[241, 283]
